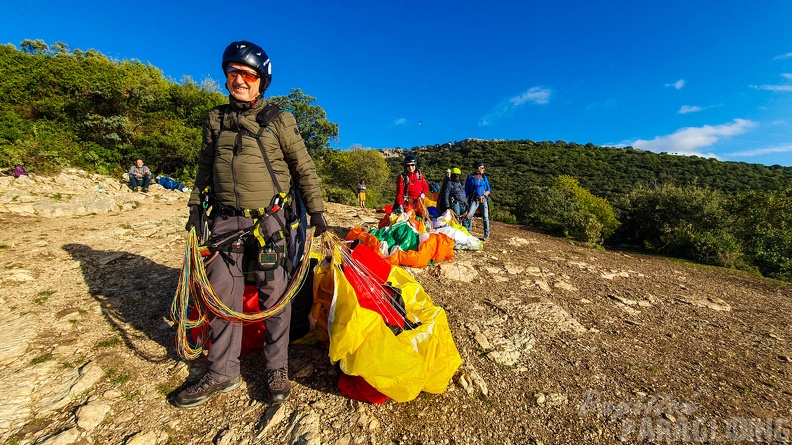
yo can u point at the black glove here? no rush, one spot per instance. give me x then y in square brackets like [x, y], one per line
[195, 218]
[319, 222]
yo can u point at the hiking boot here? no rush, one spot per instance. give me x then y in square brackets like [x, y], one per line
[137, 189]
[203, 390]
[145, 189]
[278, 384]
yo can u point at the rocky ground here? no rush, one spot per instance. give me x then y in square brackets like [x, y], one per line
[561, 344]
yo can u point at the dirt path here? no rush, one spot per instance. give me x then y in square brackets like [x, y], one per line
[560, 344]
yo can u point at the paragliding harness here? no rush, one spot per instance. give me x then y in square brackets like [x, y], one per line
[463, 205]
[478, 182]
[293, 221]
[406, 179]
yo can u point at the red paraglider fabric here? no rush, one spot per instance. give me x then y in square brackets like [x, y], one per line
[253, 334]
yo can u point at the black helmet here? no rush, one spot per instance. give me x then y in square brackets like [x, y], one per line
[410, 159]
[252, 55]
[477, 165]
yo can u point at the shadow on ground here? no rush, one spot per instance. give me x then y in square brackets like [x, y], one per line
[134, 293]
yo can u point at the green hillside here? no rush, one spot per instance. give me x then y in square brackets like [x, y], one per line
[607, 172]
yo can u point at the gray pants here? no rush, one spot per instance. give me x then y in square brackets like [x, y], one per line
[226, 276]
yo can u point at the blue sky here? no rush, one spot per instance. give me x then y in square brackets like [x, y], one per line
[705, 77]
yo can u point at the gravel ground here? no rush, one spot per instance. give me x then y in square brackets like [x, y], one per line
[561, 344]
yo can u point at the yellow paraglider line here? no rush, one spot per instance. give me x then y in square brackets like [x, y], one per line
[194, 292]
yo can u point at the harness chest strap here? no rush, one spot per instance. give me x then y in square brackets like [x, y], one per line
[406, 178]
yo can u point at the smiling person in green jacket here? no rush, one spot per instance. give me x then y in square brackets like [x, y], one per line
[244, 175]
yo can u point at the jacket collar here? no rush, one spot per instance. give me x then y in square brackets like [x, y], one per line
[243, 106]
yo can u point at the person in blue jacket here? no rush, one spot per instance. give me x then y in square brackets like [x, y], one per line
[477, 189]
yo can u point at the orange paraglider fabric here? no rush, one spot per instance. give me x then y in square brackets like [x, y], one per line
[438, 247]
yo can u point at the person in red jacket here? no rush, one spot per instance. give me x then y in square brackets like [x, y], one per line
[411, 186]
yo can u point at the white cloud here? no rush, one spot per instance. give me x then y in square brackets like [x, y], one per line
[762, 151]
[783, 56]
[679, 84]
[772, 87]
[687, 141]
[685, 109]
[400, 121]
[536, 95]
[787, 87]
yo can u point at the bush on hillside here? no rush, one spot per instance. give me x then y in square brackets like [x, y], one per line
[688, 222]
[567, 208]
[763, 223]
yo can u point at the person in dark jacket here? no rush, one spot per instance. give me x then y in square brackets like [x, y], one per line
[440, 207]
[233, 164]
[454, 197]
[477, 189]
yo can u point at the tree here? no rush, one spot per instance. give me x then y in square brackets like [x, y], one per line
[342, 170]
[34, 46]
[763, 222]
[315, 129]
[59, 48]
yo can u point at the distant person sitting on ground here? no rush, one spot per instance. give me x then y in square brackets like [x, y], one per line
[139, 176]
[454, 197]
[361, 188]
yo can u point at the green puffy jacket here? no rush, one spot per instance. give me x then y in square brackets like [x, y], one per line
[237, 173]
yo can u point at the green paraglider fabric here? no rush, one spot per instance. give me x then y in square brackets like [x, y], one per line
[401, 234]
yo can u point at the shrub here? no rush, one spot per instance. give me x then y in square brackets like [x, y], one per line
[763, 224]
[340, 195]
[595, 206]
[688, 222]
[503, 216]
[568, 209]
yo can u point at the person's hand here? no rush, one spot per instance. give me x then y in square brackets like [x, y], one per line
[195, 218]
[319, 222]
[423, 195]
[486, 193]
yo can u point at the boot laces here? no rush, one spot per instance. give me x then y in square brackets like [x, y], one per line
[277, 377]
[203, 384]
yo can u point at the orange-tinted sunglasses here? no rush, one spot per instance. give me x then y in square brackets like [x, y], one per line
[247, 76]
